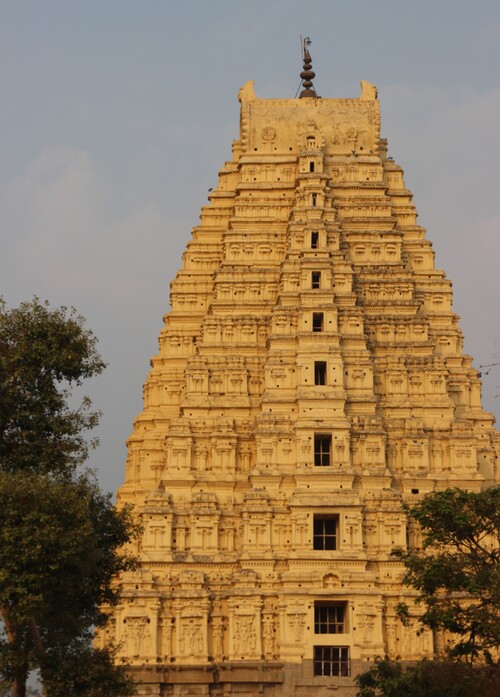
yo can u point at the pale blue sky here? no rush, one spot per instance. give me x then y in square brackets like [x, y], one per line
[116, 116]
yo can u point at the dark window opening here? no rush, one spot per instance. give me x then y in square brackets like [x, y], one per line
[325, 532]
[315, 279]
[314, 199]
[320, 372]
[314, 240]
[331, 660]
[322, 449]
[311, 166]
[317, 321]
[329, 618]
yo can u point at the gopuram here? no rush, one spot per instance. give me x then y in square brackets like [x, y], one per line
[310, 378]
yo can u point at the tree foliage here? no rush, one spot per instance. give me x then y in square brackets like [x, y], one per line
[428, 679]
[44, 353]
[84, 671]
[457, 572]
[60, 548]
[61, 539]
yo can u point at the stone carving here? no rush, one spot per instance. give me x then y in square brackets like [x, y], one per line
[296, 620]
[368, 91]
[331, 581]
[191, 641]
[268, 636]
[268, 134]
[366, 623]
[245, 637]
[137, 636]
[166, 634]
[259, 377]
[218, 637]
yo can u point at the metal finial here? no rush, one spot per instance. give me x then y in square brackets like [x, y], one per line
[307, 75]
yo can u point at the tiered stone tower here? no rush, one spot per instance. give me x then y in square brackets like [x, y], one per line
[310, 378]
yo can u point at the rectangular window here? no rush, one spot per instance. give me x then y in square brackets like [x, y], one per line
[318, 321]
[320, 372]
[325, 532]
[314, 240]
[322, 449]
[331, 660]
[315, 279]
[329, 618]
[311, 166]
[314, 199]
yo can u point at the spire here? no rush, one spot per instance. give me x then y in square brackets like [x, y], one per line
[307, 75]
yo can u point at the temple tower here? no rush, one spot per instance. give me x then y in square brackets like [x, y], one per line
[310, 378]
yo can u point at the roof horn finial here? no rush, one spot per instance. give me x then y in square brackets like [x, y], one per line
[307, 75]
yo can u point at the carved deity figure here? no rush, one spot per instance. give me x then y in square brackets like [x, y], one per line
[244, 635]
[191, 637]
[218, 637]
[135, 635]
[268, 636]
[297, 622]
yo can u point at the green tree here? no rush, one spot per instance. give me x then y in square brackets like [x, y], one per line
[61, 539]
[428, 678]
[44, 354]
[457, 572]
[60, 548]
[87, 672]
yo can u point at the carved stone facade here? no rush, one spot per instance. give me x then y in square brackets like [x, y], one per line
[310, 378]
